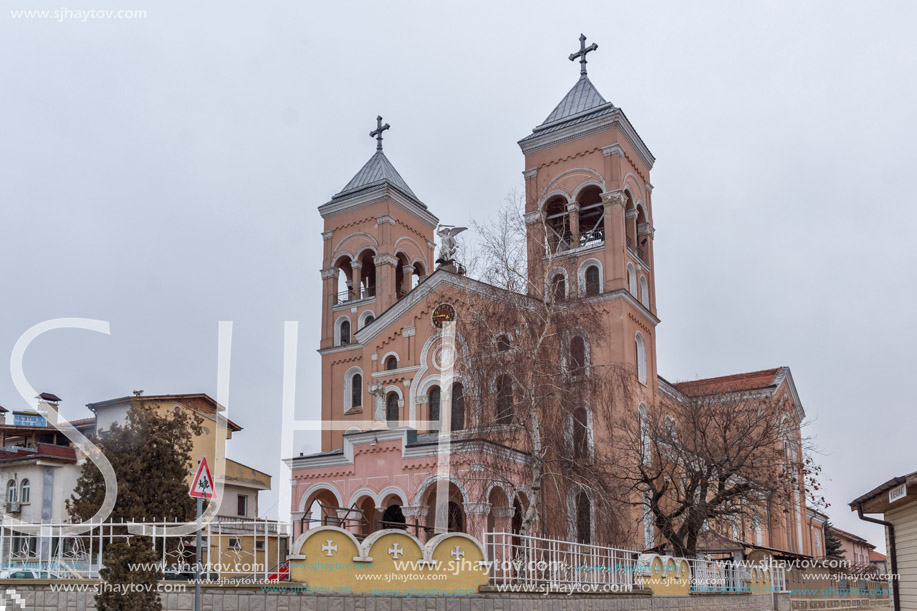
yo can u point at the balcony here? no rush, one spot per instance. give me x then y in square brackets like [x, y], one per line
[354, 295]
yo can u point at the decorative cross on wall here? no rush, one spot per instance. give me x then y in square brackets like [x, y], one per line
[457, 553]
[395, 551]
[377, 133]
[329, 548]
[581, 54]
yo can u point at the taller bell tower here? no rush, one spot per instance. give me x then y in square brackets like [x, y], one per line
[589, 202]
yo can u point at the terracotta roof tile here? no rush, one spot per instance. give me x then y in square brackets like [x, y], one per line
[753, 380]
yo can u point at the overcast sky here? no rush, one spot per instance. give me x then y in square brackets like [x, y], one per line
[163, 174]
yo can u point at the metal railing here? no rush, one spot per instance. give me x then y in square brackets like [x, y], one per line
[357, 294]
[539, 563]
[230, 548]
[728, 577]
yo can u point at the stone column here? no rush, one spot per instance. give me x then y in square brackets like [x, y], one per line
[573, 217]
[503, 518]
[385, 280]
[476, 519]
[329, 289]
[616, 275]
[356, 284]
[407, 273]
[416, 518]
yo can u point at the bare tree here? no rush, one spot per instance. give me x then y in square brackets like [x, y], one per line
[722, 461]
[530, 338]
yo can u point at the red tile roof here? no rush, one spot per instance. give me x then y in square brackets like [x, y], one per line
[875, 556]
[753, 380]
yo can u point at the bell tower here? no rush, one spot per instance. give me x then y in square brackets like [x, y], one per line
[589, 203]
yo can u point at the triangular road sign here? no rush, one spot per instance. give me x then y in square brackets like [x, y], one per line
[202, 487]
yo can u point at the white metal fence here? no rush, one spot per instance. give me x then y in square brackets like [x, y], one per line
[537, 563]
[540, 564]
[230, 549]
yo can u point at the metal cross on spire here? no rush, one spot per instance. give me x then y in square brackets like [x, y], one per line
[581, 54]
[377, 133]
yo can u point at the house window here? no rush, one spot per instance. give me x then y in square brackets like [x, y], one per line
[235, 543]
[577, 355]
[391, 363]
[356, 390]
[641, 358]
[583, 519]
[259, 546]
[458, 407]
[504, 400]
[558, 288]
[242, 506]
[25, 491]
[433, 397]
[11, 491]
[391, 409]
[592, 280]
[580, 433]
[345, 332]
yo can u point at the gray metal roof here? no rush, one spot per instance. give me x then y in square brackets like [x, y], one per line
[584, 96]
[377, 172]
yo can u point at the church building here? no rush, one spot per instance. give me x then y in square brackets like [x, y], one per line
[392, 316]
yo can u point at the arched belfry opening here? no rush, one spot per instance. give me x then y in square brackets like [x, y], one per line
[557, 225]
[591, 217]
[367, 286]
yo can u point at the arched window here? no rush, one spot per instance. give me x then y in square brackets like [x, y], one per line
[631, 280]
[591, 217]
[25, 491]
[558, 288]
[11, 491]
[583, 519]
[644, 292]
[577, 355]
[391, 409]
[391, 363]
[393, 517]
[456, 520]
[345, 332]
[580, 433]
[434, 396]
[593, 283]
[644, 433]
[503, 344]
[557, 222]
[458, 407]
[356, 390]
[641, 358]
[504, 400]
[368, 319]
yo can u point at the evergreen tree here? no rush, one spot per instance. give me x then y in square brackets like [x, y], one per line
[151, 457]
[832, 543]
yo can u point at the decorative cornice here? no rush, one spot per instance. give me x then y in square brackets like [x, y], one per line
[631, 214]
[372, 196]
[614, 198]
[408, 332]
[614, 149]
[532, 217]
[385, 218]
[531, 173]
[503, 512]
[645, 229]
[385, 259]
[329, 272]
[326, 235]
[477, 508]
[573, 206]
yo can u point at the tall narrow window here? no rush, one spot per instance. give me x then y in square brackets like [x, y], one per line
[583, 519]
[458, 407]
[504, 400]
[577, 355]
[644, 292]
[433, 398]
[11, 491]
[356, 390]
[631, 280]
[558, 288]
[580, 433]
[25, 491]
[641, 358]
[345, 332]
[391, 409]
[592, 280]
[391, 363]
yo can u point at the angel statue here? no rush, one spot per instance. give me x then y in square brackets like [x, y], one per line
[448, 245]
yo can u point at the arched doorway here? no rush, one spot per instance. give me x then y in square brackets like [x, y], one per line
[393, 517]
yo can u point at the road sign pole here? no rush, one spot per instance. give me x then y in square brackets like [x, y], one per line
[197, 553]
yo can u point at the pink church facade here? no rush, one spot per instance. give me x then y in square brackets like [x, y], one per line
[588, 194]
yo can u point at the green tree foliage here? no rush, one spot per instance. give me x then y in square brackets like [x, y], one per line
[151, 456]
[832, 543]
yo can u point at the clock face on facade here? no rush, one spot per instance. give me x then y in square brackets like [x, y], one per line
[443, 313]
